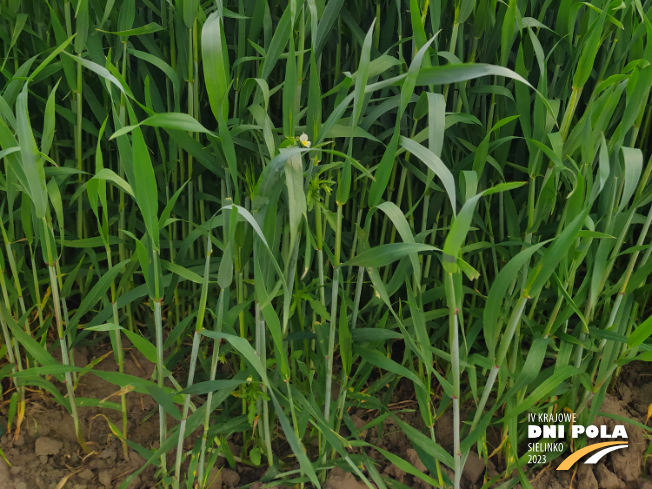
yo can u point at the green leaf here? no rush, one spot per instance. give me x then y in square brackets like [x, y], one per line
[82, 22]
[362, 77]
[426, 444]
[169, 120]
[92, 242]
[32, 162]
[60, 47]
[382, 255]
[641, 333]
[48, 121]
[403, 228]
[160, 64]
[98, 70]
[142, 345]
[507, 32]
[96, 293]
[280, 38]
[182, 272]
[212, 386]
[378, 360]
[432, 161]
[374, 334]
[18, 25]
[289, 104]
[48, 370]
[38, 352]
[165, 215]
[109, 175]
[150, 28]
[633, 158]
[407, 467]
[542, 390]
[589, 52]
[97, 403]
[413, 76]
[55, 200]
[295, 443]
[553, 255]
[177, 331]
[272, 321]
[145, 186]
[326, 22]
[454, 73]
[225, 272]
[104, 327]
[462, 223]
[296, 196]
[383, 172]
[245, 349]
[216, 65]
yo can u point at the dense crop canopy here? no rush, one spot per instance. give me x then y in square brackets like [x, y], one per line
[341, 201]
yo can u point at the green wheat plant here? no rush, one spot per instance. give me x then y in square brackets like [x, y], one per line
[332, 197]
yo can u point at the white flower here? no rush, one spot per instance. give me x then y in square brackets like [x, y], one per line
[304, 140]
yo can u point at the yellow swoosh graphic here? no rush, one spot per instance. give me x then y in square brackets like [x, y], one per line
[568, 463]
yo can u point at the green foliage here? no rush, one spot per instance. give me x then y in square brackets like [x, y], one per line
[485, 165]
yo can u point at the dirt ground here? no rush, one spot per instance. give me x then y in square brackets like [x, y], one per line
[45, 454]
[46, 451]
[622, 469]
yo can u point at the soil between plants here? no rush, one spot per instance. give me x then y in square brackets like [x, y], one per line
[45, 454]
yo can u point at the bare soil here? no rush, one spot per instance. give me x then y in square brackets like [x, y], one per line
[46, 451]
[45, 454]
